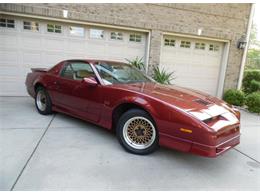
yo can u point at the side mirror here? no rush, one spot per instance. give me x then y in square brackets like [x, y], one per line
[90, 81]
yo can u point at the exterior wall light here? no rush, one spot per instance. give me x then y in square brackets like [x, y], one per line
[242, 43]
[65, 13]
[200, 31]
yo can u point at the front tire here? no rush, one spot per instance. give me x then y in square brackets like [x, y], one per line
[136, 132]
[43, 101]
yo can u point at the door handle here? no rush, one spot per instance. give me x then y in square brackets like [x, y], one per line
[57, 84]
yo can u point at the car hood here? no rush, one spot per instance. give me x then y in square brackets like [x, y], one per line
[199, 104]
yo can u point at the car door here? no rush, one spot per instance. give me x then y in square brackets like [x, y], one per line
[74, 96]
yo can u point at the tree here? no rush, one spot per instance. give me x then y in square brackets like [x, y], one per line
[253, 59]
[253, 42]
[253, 54]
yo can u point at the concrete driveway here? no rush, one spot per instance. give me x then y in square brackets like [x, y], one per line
[62, 153]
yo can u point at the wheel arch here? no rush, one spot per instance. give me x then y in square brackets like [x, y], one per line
[125, 106]
[36, 85]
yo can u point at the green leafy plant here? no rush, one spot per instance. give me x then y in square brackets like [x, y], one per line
[249, 86]
[137, 62]
[254, 86]
[253, 59]
[253, 102]
[161, 76]
[234, 97]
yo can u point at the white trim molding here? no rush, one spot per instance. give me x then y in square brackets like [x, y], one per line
[148, 42]
[195, 37]
[73, 21]
[243, 61]
[222, 71]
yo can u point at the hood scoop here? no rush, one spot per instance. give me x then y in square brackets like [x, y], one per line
[202, 102]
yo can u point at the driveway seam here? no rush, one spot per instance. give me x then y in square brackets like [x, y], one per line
[246, 155]
[19, 128]
[15, 96]
[34, 150]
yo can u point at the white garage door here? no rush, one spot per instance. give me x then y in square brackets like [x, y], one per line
[196, 63]
[27, 43]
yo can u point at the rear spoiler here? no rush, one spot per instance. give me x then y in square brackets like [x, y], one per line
[39, 69]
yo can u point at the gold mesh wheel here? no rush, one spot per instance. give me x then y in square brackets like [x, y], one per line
[139, 132]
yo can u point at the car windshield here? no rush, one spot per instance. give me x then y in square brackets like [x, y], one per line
[112, 73]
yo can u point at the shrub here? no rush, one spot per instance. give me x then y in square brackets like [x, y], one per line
[253, 102]
[249, 76]
[161, 76]
[234, 97]
[254, 86]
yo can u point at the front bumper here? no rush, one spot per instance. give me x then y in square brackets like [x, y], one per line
[214, 151]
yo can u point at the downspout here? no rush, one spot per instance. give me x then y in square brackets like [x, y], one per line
[243, 62]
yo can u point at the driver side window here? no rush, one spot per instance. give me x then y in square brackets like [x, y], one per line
[77, 71]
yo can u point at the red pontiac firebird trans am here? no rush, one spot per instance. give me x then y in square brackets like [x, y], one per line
[143, 113]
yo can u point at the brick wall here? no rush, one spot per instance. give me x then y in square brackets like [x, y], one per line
[223, 21]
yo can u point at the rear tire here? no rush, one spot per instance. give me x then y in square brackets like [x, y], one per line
[43, 101]
[136, 132]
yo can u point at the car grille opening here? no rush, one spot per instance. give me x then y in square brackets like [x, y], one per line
[213, 119]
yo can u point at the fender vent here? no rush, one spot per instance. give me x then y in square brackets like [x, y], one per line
[202, 102]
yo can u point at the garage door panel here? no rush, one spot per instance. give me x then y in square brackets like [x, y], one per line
[52, 58]
[76, 45]
[200, 52]
[135, 45]
[32, 58]
[116, 58]
[213, 55]
[132, 54]
[8, 84]
[181, 71]
[114, 50]
[31, 41]
[183, 52]
[95, 47]
[53, 44]
[116, 43]
[8, 57]
[8, 41]
[12, 71]
[72, 55]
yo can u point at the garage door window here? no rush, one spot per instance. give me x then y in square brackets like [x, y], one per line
[185, 44]
[96, 34]
[200, 46]
[116, 36]
[76, 31]
[33, 26]
[135, 38]
[53, 28]
[7, 23]
[169, 42]
[213, 47]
